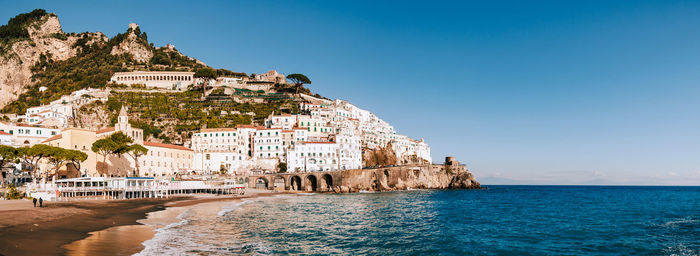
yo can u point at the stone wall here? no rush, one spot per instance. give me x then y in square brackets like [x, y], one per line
[405, 177]
[380, 179]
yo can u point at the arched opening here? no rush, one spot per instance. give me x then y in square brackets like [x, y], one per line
[295, 183]
[326, 182]
[311, 183]
[261, 183]
[279, 182]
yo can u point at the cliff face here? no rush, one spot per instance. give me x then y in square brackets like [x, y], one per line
[45, 38]
[405, 177]
[134, 44]
[380, 156]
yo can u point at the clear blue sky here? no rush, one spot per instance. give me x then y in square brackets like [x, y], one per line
[551, 92]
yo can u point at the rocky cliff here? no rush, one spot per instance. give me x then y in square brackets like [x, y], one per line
[35, 52]
[45, 38]
[136, 44]
[404, 178]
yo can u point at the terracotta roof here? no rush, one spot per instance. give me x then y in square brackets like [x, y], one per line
[163, 145]
[56, 137]
[4, 133]
[298, 128]
[76, 129]
[28, 125]
[245, 126]
[218, 129]
[263, 128]
[108, 129]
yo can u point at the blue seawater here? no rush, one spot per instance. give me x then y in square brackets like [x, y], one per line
[500, 220]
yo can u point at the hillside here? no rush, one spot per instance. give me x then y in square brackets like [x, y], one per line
[39, 63]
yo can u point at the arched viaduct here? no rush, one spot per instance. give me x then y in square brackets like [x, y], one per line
[308, 181]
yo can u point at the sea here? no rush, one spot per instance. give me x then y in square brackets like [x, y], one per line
[499, 220]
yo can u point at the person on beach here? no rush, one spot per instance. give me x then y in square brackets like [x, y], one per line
[34, 200]
[41, 202]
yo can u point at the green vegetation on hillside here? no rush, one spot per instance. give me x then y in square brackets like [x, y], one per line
[167, 60]
[16, 28]
[162, 115]
[91, 68]
[185, 112]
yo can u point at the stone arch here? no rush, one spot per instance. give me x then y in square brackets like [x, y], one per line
[261, 183]
[279, 182]
[295, 183]
[326, 182]
[311, 183]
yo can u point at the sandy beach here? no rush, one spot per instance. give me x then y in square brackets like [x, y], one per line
[61, 228]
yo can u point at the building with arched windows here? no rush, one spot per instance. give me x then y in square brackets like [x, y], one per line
[170, 80]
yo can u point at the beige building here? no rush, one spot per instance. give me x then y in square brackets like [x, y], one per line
[161, 159]
[170, 80]
[165, 160]
[77, 139]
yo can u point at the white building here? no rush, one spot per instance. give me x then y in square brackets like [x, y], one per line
[313, 156]
[169, 80]
[5, 138]
[221, 148]
[267, 143]
[24, 135]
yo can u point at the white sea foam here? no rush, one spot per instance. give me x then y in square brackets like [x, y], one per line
[184, 237]
[686, 220]
[164, 234]
[228, 208]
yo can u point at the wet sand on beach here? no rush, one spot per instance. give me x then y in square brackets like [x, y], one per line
[78, 227]
[41, 231]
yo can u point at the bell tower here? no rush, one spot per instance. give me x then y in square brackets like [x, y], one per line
[123, 120]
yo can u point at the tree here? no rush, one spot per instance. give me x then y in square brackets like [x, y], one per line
[121, 142]
[136, 151]
[206, 74]
[282, 166]
[31, 156]
[104, 147]
[298, 80]
[76, 157]
[7, 154]
[57, 157]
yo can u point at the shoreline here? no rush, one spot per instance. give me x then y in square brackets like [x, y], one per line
[51, 230]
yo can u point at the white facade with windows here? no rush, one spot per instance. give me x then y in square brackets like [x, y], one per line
[24, 135]
[267, 143]
[165, 160]
[313, 156]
